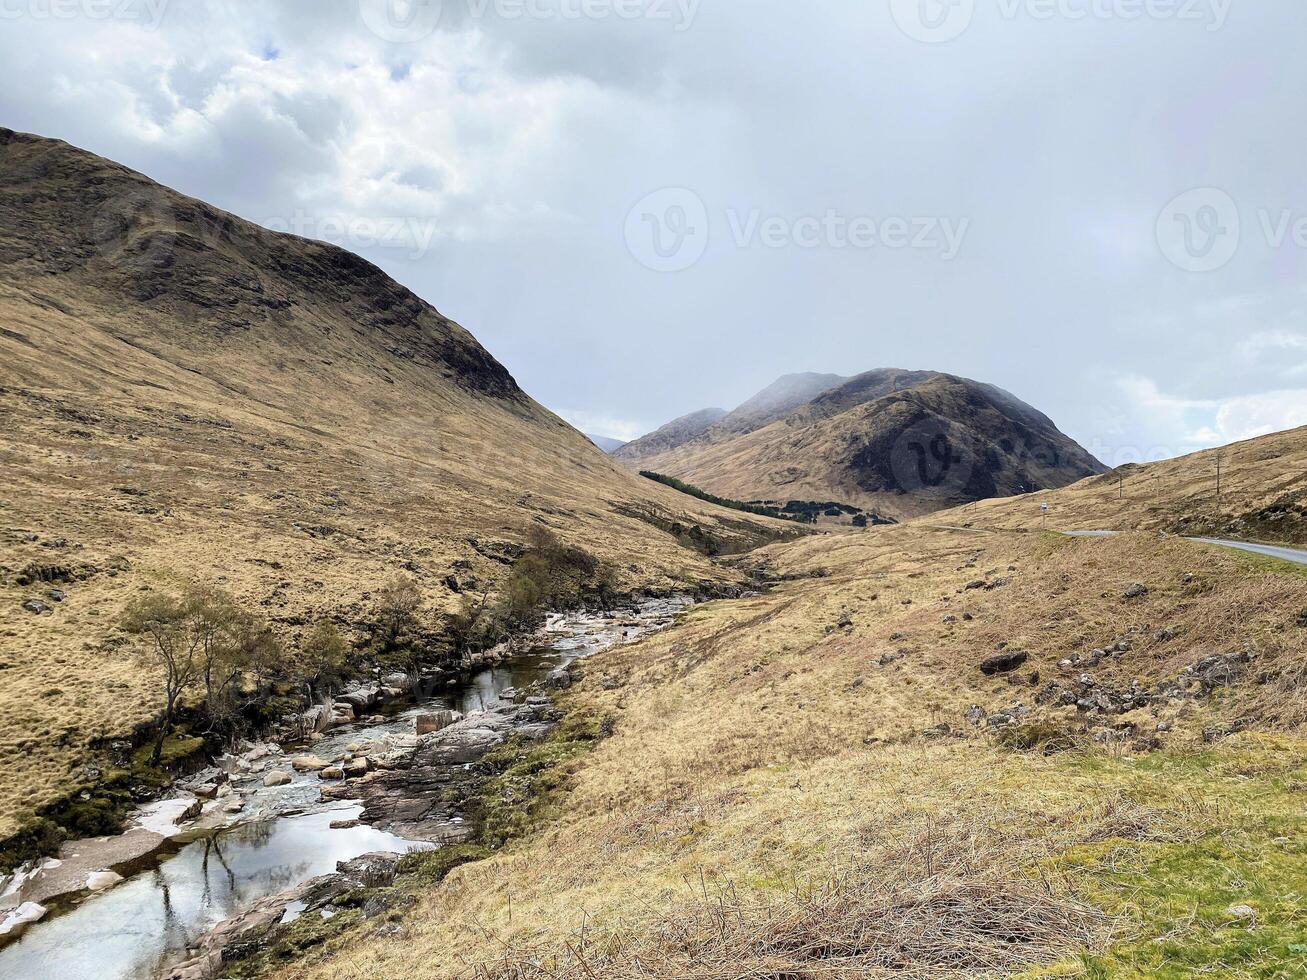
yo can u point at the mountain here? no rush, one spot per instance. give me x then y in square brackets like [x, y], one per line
[606, 444]
[673, 434]
[186, 394]
[901, 443]
[777, 400]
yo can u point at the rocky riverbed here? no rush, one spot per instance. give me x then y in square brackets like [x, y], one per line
[276, 828]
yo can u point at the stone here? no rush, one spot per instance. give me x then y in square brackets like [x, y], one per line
[356, 768]
[235, 806]
[332, 772]
[1242, 913]
[98, 881]
[57, 595]
[437, 721]
[35, 606]
[307, 763]
[559, 679]
[343, 824]
[14, 921]
[277, 778]
[975, 714]
[1136, 591]
[977, 584]
[1004, 662]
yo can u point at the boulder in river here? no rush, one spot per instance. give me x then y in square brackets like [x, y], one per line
[16, 920]
[98, 881]
[277, 778]
[307, 763]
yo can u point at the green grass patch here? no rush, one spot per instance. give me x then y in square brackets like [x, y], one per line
[1174, 899]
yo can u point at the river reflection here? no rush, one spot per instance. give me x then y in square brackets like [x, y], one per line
[131, 931]
[128, 932]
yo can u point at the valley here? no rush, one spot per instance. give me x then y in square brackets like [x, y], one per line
[428, 685]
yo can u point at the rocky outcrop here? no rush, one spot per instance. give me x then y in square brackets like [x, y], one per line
[421, 794]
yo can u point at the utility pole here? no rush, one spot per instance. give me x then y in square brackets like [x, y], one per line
[1218, 478]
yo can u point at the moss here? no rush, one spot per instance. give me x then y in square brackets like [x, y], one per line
[177, 748]
[295, 942]
[425, 869]
[528, 778]
[36, 837]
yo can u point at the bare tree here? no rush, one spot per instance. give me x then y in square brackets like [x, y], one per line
[168, 642]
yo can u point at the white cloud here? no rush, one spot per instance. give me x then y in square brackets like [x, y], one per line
[603, 425]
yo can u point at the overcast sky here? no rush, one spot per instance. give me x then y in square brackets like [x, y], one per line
[647, 207]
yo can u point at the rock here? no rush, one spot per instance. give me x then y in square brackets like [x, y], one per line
[938, 731]
[98, 881]
[343, 824]
[397, 680]
[235, 806]
[1164, 636]
[844, 622]
[307, 763]
[57, 595]
[1136, 591]
[1242, 913]
[950, 619]
[437, 721]
[332, 772]
[371, 870]
[16, 920]
[1001, 663]
[356, 768]
[277, 778]
[975, 714]
[35, 606]
[559, 679]
[977, 584]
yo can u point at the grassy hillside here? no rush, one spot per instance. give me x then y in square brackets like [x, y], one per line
[183, 394]
[899, 443]
[808, 784]
[1263, 496]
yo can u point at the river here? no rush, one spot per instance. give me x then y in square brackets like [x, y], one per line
[282, 839]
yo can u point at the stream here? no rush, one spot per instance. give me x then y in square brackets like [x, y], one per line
[220, 864]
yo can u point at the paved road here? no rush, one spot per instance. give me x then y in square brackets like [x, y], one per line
[1296, 555]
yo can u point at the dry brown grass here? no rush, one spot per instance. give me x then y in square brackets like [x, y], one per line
[1263, 496]
[202, 398]
[768, 806]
